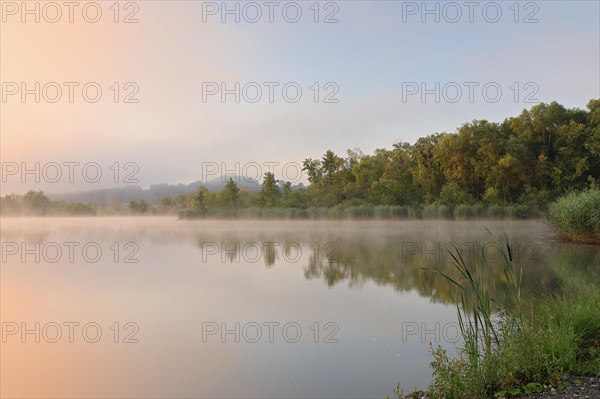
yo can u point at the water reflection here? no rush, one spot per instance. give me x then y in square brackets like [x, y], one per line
[366, 277]
[388, 254]
[403, 260]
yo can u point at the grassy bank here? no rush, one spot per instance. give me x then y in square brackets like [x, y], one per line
[511, 347]
[576, 216]
[460, 212]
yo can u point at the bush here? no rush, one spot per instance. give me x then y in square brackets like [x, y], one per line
[576, 216]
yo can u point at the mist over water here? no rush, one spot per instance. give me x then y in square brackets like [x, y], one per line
[264, 199]
[185, 308]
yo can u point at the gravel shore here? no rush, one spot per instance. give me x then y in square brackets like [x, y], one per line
[589, 388]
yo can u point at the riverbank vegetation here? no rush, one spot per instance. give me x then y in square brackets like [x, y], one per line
[514, 347]
[576, 216]
[36, 203]
[511, 169]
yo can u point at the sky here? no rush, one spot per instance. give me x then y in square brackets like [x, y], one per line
[357, 74]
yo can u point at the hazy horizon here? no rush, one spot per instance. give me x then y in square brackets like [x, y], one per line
[371, 58]
[416, 202]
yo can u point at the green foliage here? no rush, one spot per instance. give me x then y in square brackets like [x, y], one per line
[452, 195]
[496, 212]
[523, 162]
[576, 216]
[200, 201]
[511, 169]
[430, 211]
[464, 211]
[391, 212]
[532, 387]
[580, 315]
[74, 209]
[36, 203]
[138, 207]
[269, 193]
[444, 212]
[517, 348]
[229, 196]
[451, 377]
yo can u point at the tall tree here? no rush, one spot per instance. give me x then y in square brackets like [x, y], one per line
[229, 196]
[269, 192]
[200, 200]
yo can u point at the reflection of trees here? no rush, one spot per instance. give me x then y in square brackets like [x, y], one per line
[575, 265]
[384, 263]
[378, 252]
[390, 260]
[330, 270]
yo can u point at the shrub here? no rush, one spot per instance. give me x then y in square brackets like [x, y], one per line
[576, 216]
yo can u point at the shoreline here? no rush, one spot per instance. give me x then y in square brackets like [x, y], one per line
[579, 387]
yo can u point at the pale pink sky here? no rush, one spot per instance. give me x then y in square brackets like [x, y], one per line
[368, 54]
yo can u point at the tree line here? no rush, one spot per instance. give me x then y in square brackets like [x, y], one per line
[527, 160]
[523, 162]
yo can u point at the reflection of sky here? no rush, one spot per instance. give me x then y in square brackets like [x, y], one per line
[171, 292]
[369, 53]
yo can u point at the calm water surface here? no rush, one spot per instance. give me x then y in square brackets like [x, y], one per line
[155, 307]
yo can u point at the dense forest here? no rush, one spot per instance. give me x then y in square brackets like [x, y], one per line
[512, 168]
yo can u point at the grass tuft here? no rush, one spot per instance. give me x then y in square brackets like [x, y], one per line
[576, 216]
[512, 347]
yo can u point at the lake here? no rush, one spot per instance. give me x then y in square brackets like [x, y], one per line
[155, 307]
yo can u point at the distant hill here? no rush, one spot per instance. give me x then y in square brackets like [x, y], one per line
[104, 197]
